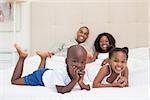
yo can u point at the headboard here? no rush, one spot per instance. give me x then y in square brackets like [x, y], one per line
[55, 22]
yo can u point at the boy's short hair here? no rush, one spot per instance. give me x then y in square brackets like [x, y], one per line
[74, 48]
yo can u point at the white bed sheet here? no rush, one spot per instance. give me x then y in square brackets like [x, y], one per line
[137, 90]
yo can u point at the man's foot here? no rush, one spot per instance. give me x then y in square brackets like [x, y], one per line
[22, 53]
[42, 54]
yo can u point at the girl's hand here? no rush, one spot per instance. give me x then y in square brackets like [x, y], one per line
[120, 81]
[123, 81]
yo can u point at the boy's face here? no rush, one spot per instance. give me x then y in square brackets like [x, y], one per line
[104, 43]
[82, 35]
[118, 61]
[77, 60]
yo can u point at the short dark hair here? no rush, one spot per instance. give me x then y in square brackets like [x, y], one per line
[72, 49]
[111, 40]
[86, 28]
[124, 50]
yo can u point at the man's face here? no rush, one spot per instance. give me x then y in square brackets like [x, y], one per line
[82, 35]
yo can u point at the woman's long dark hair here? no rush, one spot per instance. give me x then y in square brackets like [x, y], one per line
[111, 40]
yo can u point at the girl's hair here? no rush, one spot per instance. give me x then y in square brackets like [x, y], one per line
[124, 50]
[111, 40]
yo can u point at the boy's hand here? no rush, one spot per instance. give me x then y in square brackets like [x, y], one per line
[76, 75]
[81, 83]
[81, 73]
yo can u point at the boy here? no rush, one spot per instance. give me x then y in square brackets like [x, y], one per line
[64, 80]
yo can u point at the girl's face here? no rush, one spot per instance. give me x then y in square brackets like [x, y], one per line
[118, 61]
[82, 35]
[104, 43]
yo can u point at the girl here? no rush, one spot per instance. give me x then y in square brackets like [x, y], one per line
[115, 72]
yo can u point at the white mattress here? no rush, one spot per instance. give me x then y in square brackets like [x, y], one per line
[138, 64]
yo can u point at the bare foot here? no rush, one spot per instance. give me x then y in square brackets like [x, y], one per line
[22, 53]
[42, 54]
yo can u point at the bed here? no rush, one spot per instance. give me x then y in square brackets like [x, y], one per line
[138, 64]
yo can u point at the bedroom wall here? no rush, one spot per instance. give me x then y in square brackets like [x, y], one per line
[123, 18]
[127, 20]
[149, 21]
[22, 36]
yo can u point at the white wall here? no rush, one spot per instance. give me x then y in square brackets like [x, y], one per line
[23, 37]
[123, 18]
[7, 38]
[127, 20]
[149, 22]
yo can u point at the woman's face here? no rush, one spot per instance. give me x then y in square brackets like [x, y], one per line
[118, 62]
[104, 43]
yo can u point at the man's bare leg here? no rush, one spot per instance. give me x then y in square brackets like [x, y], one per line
[16, 78]
[43, 56]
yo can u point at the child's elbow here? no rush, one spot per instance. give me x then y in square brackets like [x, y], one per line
[13, 82]
[94, 85]
[62, 91]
